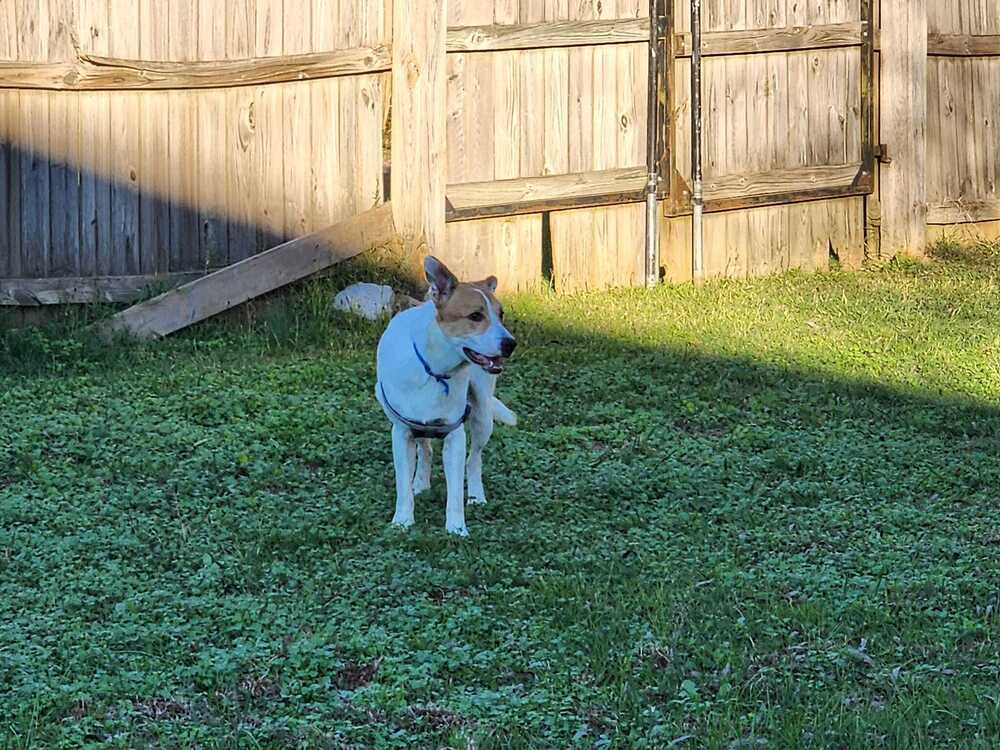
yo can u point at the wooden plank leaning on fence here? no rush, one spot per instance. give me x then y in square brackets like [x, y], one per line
[257, 275]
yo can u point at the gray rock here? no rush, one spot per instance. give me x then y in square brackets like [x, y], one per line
[370, 301]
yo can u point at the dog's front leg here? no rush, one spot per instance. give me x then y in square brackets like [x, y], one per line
[404, 458]
[453, 454]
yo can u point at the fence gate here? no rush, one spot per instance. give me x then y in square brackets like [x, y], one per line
[789, 148]
[547, 113]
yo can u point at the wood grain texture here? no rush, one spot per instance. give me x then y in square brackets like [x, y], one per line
[93, 26]
[419, 124]
[963, 112]
[963, 45]
[509, 248]
[546, 35]
[904, 125]
[64, 151]
[788, 39]
[244, 158]
[606, 261]
[964, 212]
[125, 153]
[101, 73]
[780, 181]
[33, 127]
[127, 167]
[77, 290]
[154, 157]
[534, 190]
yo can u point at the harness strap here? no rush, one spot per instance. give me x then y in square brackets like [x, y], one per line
[425, 429]
[442, 379]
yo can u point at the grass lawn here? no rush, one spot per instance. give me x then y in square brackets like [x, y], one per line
[757, 514]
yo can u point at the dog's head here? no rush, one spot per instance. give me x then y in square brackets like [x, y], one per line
[471, 316]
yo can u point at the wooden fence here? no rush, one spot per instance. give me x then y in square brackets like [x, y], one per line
[963, 117]
[144, 140]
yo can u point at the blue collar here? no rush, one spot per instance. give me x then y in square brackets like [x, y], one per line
[442, 379]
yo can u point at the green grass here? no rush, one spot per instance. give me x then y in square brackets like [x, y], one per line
[757, 514]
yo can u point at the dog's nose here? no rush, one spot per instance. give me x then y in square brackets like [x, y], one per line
[507, 347]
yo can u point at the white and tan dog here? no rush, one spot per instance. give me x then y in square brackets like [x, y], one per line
[437, 370]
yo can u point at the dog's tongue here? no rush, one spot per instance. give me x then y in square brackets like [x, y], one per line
[492, 365]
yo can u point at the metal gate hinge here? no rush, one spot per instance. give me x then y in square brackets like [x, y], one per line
[882, 154]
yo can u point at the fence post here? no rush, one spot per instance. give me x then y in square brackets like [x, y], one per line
[419, 156]
[903, 107]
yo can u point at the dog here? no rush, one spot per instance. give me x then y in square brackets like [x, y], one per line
[437, 366]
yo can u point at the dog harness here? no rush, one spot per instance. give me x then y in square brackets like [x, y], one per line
[435, 429]
[419, 430]
[442, 379]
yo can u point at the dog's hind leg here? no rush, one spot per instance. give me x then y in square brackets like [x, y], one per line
[404, 458]
[422, 476]
[481, 428]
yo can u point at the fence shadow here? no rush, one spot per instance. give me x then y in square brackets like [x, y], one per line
[64, 221]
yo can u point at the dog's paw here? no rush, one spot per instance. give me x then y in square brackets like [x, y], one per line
[400, 522]
[477, 499]
[457, 530]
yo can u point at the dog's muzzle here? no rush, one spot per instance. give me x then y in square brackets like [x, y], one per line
[492, 365]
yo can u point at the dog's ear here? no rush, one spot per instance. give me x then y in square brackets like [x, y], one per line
[442, 281]
[490, 283]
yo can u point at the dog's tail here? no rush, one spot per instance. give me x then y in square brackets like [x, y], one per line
[502, 414]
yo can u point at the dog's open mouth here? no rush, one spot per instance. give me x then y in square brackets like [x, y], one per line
[492, 365]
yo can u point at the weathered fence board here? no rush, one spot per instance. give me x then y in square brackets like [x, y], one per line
[963, 117]
[783, 116]
[185, 172]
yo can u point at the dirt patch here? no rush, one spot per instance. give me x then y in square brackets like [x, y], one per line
[161, 709]
[354, 675]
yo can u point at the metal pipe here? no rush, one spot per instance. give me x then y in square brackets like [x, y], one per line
[697, 187]
[652, 156]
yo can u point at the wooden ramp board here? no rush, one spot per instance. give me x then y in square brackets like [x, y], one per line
[260, 274]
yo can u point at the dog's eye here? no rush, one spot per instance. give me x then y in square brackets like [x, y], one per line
[477, 317]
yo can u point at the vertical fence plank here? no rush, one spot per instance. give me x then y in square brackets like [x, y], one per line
[419, 123]
[124, 146]
[371, 111]
[243, 141]
[154, 157]
[211, 147]
[328, 167]
[64, 149]
[904, 125]
[271, 128]
[33, 133]
[185, 254]
[95, 136]
[297, 114]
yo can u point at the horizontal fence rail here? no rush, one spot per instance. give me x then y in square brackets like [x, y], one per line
[788, 39]
[500, 37]
[475, 200]
[963, 45]
[96, 73]
[963, 212]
